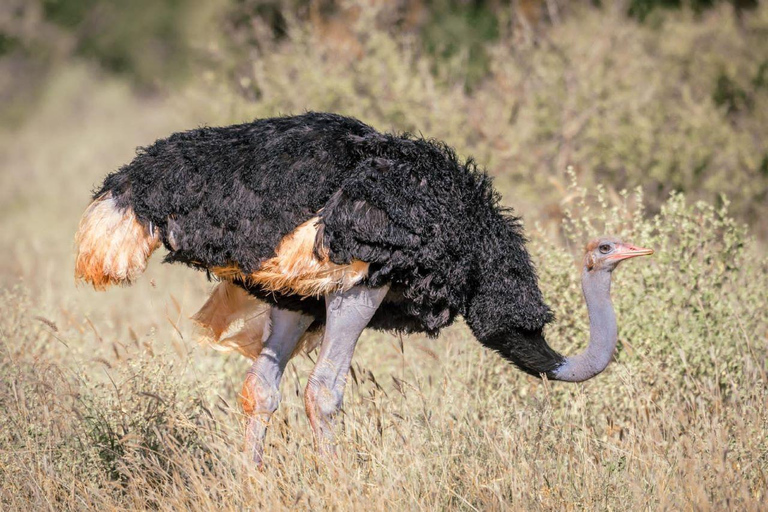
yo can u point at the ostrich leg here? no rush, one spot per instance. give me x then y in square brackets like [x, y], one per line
[261, 394]
[347, 314]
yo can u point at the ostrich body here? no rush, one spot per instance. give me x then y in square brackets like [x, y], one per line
[317, 226]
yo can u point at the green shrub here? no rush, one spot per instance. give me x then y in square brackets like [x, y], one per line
[678, 107]
[691, 316]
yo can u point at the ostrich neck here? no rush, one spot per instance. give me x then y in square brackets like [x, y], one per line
[603, 331]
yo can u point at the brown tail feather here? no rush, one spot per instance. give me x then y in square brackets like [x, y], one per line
[112, 245]
[231, 319]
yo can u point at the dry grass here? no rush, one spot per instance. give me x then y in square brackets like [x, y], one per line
[110, 404]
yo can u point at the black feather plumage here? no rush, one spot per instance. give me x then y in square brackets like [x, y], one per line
[429, 224]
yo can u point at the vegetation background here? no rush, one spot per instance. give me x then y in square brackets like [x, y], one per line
[644, 118]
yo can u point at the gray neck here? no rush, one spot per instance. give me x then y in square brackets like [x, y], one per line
[603, 331]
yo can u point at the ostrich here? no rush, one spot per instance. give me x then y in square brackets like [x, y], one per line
[317, 226]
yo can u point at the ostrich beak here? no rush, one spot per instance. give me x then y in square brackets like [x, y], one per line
[626, 251]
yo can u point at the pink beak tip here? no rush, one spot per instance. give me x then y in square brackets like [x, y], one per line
[631, 251]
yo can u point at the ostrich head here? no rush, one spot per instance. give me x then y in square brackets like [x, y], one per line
[601, 258]
[605, 253]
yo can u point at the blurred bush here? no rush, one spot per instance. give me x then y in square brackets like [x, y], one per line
[676, 102]
[679, 105]
[149, 43]
[144, 40]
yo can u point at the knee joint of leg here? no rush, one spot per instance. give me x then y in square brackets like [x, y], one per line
[322, 398]
[258, 396]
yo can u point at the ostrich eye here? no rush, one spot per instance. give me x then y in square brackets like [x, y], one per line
[605, 248]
